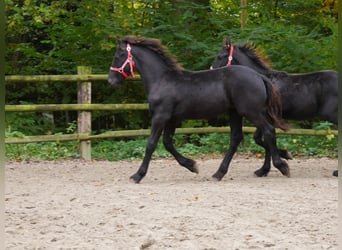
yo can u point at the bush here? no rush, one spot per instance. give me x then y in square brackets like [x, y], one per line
[194, 145]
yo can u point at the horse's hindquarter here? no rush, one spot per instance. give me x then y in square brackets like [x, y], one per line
[305, 96]
[246, 89]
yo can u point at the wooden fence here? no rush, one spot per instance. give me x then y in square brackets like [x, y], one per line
[84, 79]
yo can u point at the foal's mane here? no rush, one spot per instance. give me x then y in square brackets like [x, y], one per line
[156, 46]
[256, 55]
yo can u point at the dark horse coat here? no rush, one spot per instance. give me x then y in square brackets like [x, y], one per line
[175, 94]
[304, 96]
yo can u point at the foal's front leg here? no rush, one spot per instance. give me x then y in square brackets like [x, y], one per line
[236, 137]
[169, 132]
[156, 131]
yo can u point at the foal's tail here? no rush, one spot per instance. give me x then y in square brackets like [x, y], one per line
[274, 106]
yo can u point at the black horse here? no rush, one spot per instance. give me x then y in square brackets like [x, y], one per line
[175, 94]
[303, 96]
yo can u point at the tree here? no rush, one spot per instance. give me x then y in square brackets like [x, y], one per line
[54, 37]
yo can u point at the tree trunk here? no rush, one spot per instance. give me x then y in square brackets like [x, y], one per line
[243, 17]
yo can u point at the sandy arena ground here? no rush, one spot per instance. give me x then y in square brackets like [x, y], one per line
[80, 205]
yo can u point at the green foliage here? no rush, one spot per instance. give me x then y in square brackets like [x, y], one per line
[72, 127]
[28, 124]
[193, 145]
[54, 37]
[41, 151]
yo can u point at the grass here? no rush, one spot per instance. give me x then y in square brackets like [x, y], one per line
[190, 145]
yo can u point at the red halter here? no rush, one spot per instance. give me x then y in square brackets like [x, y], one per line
[129, 61]
[230, 58]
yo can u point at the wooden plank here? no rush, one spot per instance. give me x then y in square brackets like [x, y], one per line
[60, 78]
[75, 107]
[146, 132]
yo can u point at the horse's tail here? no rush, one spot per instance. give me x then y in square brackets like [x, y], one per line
[274, 106]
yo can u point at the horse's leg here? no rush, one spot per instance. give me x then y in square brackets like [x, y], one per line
[236, 137]
[156, 130]
[270, 140]
[263, 171]
[283, 153]
[168, 144]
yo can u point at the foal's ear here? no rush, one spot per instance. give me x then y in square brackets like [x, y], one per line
[121, 44]
[226, 43]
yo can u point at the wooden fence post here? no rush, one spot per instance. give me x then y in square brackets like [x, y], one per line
[84, 117]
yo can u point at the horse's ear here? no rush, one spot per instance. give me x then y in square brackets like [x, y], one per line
[226, 43]
[121, 44]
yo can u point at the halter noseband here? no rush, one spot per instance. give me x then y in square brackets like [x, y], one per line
[129, 61]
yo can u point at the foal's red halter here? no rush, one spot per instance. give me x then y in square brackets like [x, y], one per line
[230, 58]
[129, 61]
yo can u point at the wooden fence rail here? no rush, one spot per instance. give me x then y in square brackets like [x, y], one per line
[84, 106]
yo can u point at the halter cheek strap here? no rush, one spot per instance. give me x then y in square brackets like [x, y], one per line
[230, 58]
[129, 61]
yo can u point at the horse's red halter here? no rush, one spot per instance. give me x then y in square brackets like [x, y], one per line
[230, 57]
[129, 61]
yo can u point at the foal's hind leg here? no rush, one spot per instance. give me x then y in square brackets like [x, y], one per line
[236, 137]
[283, 153]
[270, 140]
[168, 144]
[263, 171]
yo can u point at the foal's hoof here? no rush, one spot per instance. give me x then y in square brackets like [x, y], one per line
[335, 173]
[218, 176]
[285, 154]
[261, 172]
[191, 165]
[285, 170]
[195, 168]
[136, 178]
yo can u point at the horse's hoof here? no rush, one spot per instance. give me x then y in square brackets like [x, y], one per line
[195, 168]
[261, 173]
[285, 154]
[286, 171]
[136, 178]
[191, 165]
[218, 176]
[215, 178]
[283, 168]
[335, 173]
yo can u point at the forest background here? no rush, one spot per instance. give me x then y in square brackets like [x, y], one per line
[54, 37]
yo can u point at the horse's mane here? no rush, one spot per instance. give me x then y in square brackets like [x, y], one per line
[156, 46]
[256, 55]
